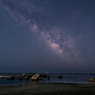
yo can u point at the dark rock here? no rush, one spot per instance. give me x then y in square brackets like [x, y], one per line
[30, 75]
[27, 78]
[23, 75]
[11, 77]
[40, 79]
[20, 78]
[43, 76]
[60, 77]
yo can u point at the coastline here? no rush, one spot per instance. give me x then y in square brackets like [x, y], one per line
[36, 88]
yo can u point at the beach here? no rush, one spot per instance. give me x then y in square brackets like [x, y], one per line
[36, 88]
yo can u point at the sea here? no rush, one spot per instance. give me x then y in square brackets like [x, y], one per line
[67, 78]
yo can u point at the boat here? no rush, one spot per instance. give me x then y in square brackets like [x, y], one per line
[91, 80]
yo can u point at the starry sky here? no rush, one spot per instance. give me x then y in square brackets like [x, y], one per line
[47, 36]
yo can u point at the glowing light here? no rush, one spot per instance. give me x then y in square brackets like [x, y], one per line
[55, 46]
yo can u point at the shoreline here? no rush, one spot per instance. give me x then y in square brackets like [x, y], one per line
[49, 82]
[36, 88]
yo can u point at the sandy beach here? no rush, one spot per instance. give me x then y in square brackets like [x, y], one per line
[49, 89]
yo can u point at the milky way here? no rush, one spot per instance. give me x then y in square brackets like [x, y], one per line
[66, 31]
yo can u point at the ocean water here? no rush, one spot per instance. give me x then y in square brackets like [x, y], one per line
[67, 78]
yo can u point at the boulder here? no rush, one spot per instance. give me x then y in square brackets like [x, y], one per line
[27, 78]
[91, 80]
[23, 75]
[40, 79]
[30, 75]
[60, 77]
[11, 77]
[35, 77]
[20, 78]
[43, 76]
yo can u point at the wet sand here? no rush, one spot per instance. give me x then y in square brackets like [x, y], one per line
[49, 89]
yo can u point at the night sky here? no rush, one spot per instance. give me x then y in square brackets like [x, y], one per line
[47, 36]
